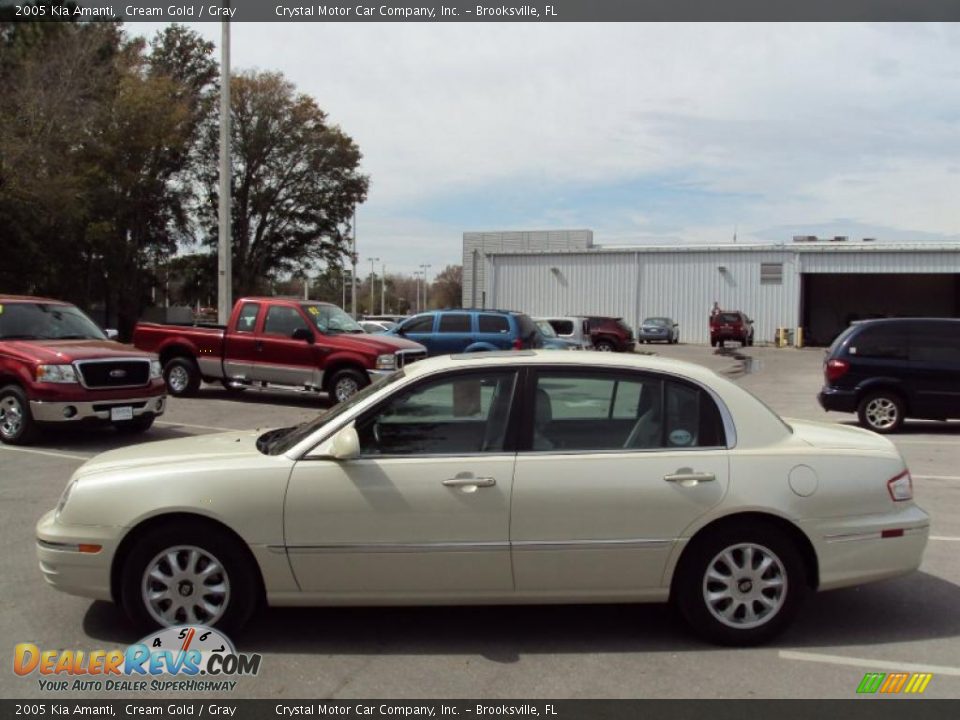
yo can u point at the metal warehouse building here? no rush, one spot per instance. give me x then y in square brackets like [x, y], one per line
[819, 285]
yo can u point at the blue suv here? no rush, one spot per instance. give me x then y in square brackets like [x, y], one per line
[445, 332]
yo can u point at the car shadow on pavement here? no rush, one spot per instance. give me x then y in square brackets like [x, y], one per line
[100, 439]
[950, 428]
[916, 607]
[252, 396]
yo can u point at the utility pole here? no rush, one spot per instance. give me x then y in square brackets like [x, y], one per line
[353, 273]
[383, 290]
[424, 268]
[224, 246]
[417, 274]
[373, 276]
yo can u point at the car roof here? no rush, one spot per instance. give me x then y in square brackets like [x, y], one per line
[509, 358]
[31, 299]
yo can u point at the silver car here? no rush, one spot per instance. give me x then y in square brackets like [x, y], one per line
[659, 329]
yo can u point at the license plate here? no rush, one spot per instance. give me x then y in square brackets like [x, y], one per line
[121, 413]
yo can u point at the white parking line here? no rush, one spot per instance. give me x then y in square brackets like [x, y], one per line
[51, 453]
[935, 477]
[945, 441]
[869, 663]
[199, 427]
[944, 538]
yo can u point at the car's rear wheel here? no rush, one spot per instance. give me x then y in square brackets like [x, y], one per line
[604, 346]
[17, 426]
[881, 411]
[182, 376]
[713, 342]
[346, 383]
[182, 574]
[741, 586]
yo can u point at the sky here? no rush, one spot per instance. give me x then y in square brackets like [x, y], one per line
[643, 133]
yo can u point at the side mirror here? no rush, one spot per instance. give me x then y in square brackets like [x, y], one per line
[111, 334]
[399, 330]
[302, 333]
[346, 444]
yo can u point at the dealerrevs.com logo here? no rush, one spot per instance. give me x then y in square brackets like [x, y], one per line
[185, 658]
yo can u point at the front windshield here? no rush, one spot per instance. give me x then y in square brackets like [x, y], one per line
[331, 319]
[46, 321]
[546, 329]
[277, 442]
[656, 321]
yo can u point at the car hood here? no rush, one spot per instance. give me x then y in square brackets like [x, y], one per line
[67, 351]
[839, 437]
[194, 450]
[383, 342]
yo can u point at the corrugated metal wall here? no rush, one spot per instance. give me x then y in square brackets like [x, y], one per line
[873, 261]
[634, 285]
[477, 244]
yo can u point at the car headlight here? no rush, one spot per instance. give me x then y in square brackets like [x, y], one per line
[156, 370]
[63, 499]
[56, 374]
[386, 362]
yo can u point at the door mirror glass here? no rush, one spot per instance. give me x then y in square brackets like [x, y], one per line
[346, 444]
[303, 333]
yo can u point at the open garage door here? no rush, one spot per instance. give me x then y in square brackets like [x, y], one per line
[831, 301]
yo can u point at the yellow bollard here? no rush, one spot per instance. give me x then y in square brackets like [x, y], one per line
[798, 338]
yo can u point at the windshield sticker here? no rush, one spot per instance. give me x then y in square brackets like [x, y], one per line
[1, 309]
[680, 437]
[313, 310]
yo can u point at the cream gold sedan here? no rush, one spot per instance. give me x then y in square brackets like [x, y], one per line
[519, 477]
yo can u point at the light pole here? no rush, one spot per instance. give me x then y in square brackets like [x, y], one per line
[373, 275]
[353, 273]
[424, 268]
[224, 249]
[417, 274]
[383, 290]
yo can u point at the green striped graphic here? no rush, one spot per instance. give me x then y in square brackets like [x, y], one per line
[871, 682]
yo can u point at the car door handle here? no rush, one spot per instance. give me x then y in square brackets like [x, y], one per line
[689, 478]
[466, 482]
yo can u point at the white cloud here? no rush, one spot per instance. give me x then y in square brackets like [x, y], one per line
[803, 122]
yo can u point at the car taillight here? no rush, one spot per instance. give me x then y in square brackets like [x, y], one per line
[901, 487]
[518, 344]
[836, 369]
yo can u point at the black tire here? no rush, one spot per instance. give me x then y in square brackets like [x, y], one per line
[238, 575]
[713, 342]
[182, 376]
[721, 343]
[138, 425]
[340, 384]
[881, 411]
[605, 346]
[17, 426]
[705, 553]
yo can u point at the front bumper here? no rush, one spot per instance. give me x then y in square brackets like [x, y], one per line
[837, 400]
[68, 570]
[67, 411]
[853, 551]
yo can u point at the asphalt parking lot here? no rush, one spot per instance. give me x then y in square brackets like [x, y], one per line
[620, 651]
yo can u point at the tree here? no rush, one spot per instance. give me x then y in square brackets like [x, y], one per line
[447, 288]
[295, 182]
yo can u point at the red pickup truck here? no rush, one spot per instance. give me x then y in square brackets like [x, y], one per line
[276, 342]
[58, 367]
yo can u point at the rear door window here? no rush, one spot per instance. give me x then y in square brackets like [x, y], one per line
[493, 324]
[884, 341]
[936, 343]
[454, 323]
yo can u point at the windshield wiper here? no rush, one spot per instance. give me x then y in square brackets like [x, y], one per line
[267, 441]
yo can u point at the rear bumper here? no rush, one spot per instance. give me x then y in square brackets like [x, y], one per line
[71, 412]
[834, 399]
[853, 551]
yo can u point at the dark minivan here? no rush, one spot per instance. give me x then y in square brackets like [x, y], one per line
[891, 369]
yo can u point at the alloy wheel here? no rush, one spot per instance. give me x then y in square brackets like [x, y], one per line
[345, 388]
[11, 417]
[882, 413]
[178, 379]
[745, 586]
[185, 585]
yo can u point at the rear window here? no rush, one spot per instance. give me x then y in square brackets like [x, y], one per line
[728, 318]
[887, 340]
[493, 324]
[623, 326]
[562, 327]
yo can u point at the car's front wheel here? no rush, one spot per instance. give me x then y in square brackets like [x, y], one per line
[741, 586]
[346, 383]
[185, 574]
[182, 376]
[881, 412]
[17, 426]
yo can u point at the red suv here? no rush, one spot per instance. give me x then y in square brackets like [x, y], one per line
[610, 334]
[730, 325]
